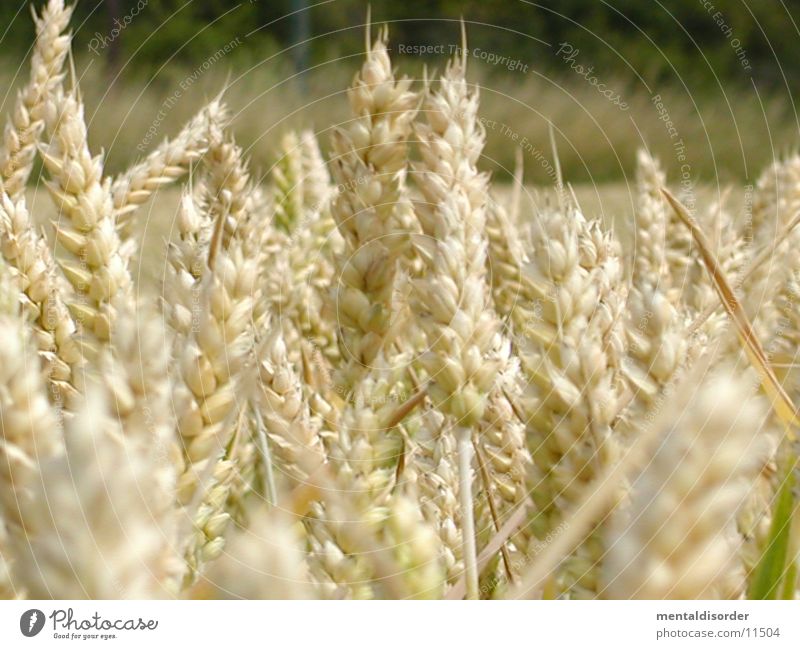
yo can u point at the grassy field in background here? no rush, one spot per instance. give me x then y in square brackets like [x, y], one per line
[728, 134]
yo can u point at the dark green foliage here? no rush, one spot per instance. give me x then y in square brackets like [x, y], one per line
[659, 40]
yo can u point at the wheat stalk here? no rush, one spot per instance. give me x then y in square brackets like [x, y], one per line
[451, 297]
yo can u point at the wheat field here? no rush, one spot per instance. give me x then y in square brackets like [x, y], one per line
[379, 373]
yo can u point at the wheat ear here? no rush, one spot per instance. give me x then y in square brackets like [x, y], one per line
[96, 528]
[288, 178]
[212, 360]
[776, 201]
[505, 258]
[41, 292]
[650, 258]
[371, 210]
[300, 181]
[96, 263]
[677, 541]
[731, 248]
[372, 214]
[570, 358]
[166, 164]
[416, 546]
[507, 462]
[452, 297]
[29, 429]
[27, 119]
[215, 283]
[293, 435]
[135, 373]
[657, 350]
[262, 561]
[299, 266]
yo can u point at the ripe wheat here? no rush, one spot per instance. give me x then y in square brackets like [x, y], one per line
[380, 381]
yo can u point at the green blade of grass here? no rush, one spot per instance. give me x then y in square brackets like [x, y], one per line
[772, 567]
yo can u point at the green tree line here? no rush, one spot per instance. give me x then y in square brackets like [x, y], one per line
[657, 40]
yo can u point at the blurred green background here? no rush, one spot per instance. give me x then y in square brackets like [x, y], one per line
[726, 72]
